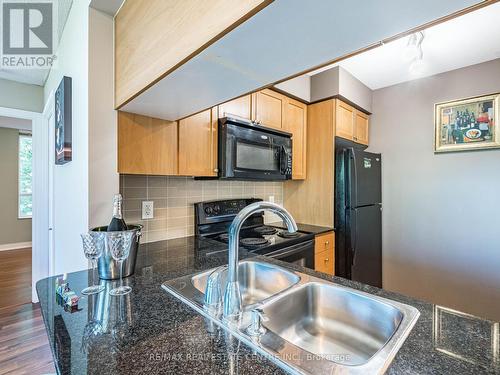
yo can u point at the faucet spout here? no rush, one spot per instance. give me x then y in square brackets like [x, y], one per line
[232, 294]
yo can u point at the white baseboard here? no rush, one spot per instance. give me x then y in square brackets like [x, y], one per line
[14, 246]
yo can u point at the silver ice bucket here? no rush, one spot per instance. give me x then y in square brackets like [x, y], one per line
[109, 269]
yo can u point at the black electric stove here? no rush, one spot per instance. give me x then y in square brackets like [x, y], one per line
[213, 218]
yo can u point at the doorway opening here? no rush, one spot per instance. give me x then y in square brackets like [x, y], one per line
[16, 200]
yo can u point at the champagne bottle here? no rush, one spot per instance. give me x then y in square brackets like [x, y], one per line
[117, 223]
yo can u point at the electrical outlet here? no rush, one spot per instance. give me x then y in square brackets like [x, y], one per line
[147, 210]
[271, 198]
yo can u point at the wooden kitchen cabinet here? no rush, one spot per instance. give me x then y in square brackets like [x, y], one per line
[324, 242]
[345, 120]
[324, 253]
[361, 127]
[311, 200]
[324, 262]
[295, 122]
[189, 147]
[198, 144]
[146, 145]
[241, 107]
[351, 123]
[267, 108]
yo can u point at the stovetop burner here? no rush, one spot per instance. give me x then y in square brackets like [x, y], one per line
[265, 230]
[252, 242]
[245, 241]
[286, 234]
[213, 220]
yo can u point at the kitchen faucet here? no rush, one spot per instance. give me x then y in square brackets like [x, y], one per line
[232, 295]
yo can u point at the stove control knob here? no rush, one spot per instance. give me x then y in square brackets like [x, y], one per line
[208, 210]
[216, 209]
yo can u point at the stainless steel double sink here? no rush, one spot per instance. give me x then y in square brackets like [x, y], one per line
[312, 326]
[258, 281]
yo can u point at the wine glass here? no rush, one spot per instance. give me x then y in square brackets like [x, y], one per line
[119, 244]
[93, 245]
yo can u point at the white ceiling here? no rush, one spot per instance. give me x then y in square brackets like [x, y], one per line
[286, 37]
[15, 123]
[467, 40]
[39, 76]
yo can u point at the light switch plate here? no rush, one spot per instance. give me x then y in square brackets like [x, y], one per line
[271, 198]
[147, 210]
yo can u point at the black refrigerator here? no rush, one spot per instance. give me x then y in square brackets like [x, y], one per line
[358, 214]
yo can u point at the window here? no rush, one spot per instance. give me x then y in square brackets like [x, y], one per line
[25, 173]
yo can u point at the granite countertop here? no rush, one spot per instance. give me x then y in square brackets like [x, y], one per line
[151, 332]
[307, 228]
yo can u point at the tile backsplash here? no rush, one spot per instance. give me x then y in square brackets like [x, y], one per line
[173, 199]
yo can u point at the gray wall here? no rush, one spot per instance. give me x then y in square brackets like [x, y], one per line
[441, 221]
[21, 96]
[12, 229]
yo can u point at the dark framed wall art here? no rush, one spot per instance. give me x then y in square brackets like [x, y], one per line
[63, 122]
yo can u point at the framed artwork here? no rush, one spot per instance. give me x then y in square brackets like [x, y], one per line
[63, 140]
[467, 124]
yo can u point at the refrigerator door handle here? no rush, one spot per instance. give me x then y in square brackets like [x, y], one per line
[354, 182]
[354, 230]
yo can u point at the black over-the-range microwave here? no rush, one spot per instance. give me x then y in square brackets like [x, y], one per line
[249, 151]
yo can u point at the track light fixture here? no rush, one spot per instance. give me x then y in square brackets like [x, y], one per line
[413, 52]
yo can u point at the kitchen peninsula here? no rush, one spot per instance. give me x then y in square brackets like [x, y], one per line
[152, 332]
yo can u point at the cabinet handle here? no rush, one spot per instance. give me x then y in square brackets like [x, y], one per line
[216, 170]
[327, 243]
[327, 260]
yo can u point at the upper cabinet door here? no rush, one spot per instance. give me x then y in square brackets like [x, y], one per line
[241, 107]
[267, 108]
[361, 128]
[197, 145]
[146, 145]
[345, 121]
[295, 122]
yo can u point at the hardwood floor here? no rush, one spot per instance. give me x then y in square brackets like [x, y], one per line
[24, 347]
[15, 277]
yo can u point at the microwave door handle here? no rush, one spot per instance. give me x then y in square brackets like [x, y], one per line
[283, 159]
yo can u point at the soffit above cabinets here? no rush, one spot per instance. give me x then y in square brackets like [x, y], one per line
[283, 39]
[110, 7]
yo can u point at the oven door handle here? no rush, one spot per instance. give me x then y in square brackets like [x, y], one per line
[291, 250]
